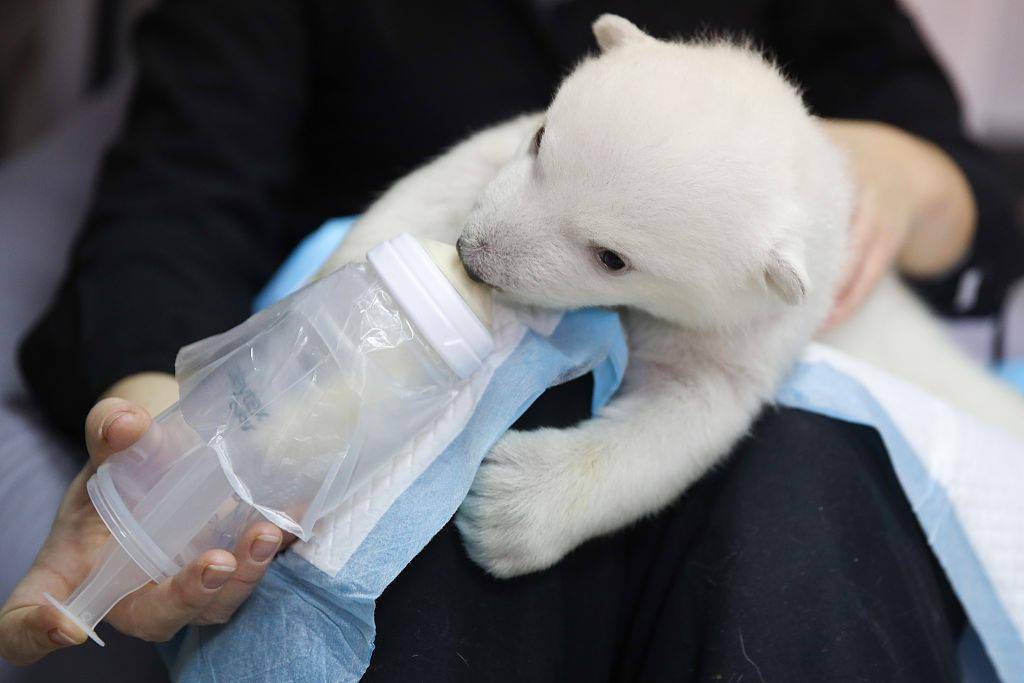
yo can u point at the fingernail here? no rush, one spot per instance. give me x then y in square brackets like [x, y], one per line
[58, 637]
[216, 575]
[264, 547]
[109, 422]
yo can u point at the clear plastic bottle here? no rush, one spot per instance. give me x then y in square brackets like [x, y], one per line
[273, 414]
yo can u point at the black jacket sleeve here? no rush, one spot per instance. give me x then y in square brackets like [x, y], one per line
[865, 60]
[187, 224]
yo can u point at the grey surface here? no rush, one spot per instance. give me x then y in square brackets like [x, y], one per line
[43, 195]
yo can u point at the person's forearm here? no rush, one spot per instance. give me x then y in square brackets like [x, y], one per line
[946, 218]
[154, 391]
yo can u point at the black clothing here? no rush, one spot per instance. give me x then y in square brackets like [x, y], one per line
[797, 560]
[255, 120]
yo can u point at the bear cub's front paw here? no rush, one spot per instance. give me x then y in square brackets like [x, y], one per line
[519, 514]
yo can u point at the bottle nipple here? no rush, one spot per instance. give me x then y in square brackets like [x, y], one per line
[476, 295]
[428, 282]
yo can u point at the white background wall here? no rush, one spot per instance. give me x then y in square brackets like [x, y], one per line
[981, 44]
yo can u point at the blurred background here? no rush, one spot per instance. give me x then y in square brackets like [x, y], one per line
[56, 54]
[979, 44]
[65, 72]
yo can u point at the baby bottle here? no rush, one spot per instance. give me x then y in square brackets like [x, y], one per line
[273, 415]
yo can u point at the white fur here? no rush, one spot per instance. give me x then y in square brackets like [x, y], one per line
[699, 164]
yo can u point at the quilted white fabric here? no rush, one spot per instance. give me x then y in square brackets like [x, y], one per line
[337, 536]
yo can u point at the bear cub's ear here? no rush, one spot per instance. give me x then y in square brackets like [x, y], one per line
[612, 31]
[786, 276]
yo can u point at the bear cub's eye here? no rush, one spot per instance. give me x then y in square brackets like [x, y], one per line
[535, 143]
[610, 260]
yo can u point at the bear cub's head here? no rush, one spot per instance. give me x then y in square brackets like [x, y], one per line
[687, 180]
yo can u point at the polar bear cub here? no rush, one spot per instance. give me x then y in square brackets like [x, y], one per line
[686, 184]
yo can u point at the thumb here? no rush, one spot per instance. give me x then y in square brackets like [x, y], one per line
[113, 425]
[31, 632]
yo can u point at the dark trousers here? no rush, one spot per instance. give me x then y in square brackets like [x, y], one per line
[798, 559]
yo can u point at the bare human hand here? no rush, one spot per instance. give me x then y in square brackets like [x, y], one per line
[208, 590]
[914, 210]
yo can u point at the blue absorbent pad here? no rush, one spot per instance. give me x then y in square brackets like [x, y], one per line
[962, 479]
[1013, 372]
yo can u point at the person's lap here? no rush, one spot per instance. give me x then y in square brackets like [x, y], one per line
[798, 559]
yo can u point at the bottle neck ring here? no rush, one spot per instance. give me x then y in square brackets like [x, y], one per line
[432, 304]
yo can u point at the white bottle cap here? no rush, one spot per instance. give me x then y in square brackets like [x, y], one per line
[432, 303]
